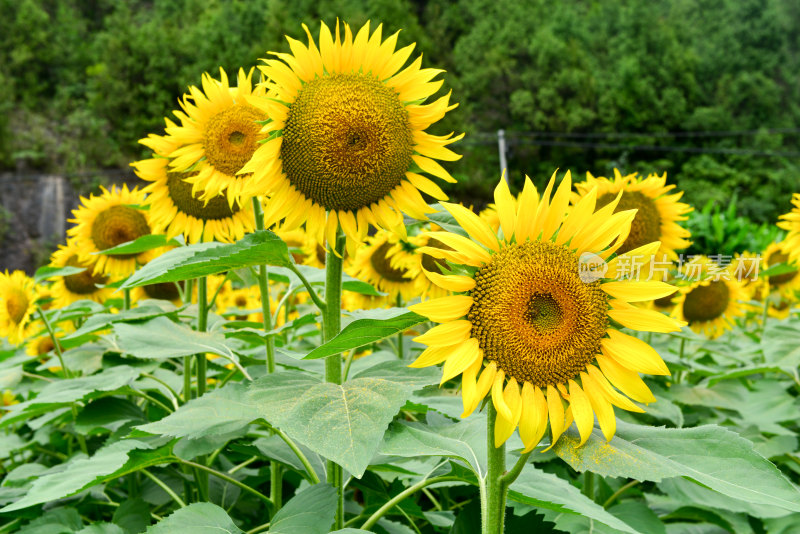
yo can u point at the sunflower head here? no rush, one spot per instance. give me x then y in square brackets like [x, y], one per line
[786, 283]
[791, 223]
[658, 212]
[18, 295]
[219, 132]
[531, 323]
[106, 221]
[712, 299]
[347, 141]
[388, 266]
[83, 285]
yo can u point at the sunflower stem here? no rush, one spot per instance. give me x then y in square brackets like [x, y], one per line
[400, 334]
[275, 472]
[126, 299]
[202, 362]
[331, 325]
[588, 484]
[496, 490]
[765, 315]
[397, 499]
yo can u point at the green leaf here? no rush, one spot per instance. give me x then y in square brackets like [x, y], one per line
[369, 327]
[197, 518]
[274, 448]
[141, 244]
[315, 276]
[133, 515]
[344, 423]
[639, 516]
[79, 473]
[70, 390]
[709, 455]
[58, 521]
[775, 270]
[101, 528]
[544, 490]
[101, 321]
[109, 413]
[217, 413]
[687, 493]
[45, 272]
[203, 259]
[161, 338]
[309, 512]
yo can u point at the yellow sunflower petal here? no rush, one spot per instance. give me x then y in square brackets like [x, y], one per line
[633, 353]
[635, 291]
[533, 420]
[485, 383]
[644, 320]
[444, 309]
[601, 407]
[451, 282]
[555, 411]
[625, 380]
[474, 225]
[505, 427]
[461, 359]
[581, 410]
[446, 334]
[613, 396]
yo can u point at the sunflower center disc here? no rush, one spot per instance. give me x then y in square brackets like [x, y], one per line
[347, 141]
[382, 265]
[231, 137]
[16, 305]
[534, 316]
[705, 303]
[162, 291]
[180, 191]
[646, 226]
[84, 282]
[117, 225]
[780, 279]
[44, 346]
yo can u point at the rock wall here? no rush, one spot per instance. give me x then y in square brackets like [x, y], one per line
[34, 209]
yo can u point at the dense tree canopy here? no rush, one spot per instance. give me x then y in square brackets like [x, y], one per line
[82, 81]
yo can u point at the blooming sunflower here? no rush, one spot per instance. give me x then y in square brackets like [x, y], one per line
[347, 140]
[425, 263]
[387, 266]
[83, 285]
[531, 326]
[176, 210]
[786, 284]
[18, 294]
[712, 300]
[108, 220]
[658, 213]
[791, 222]
[219, 132]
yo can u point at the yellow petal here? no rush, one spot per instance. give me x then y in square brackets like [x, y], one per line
[435, 355]
[577, 218]
[635, 291]
[626, 264]
[533, 420]
[611, 394]
[581, 410]
[558, 207]
[497, 396]
[505, 427]
[463, 246]
[461, 359]
[485, 382]
[626, 381]
[451, 282]
[555, 411]
[526, 207]
[644, 320]
[474, 225]
[444, 309]
[601, 407]
[506, 208]
[633, 353]
[446, 334]
[469, 386]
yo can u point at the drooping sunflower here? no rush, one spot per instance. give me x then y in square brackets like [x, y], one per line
[40, 344]
[533, 322]
[787, 284]
[176, 210]
[161, 291]
[347, 140]
[83, 285]
[791, 222]
[108, 220]
[219, 132]
[712, 300]
[658, 212]
[383, 263]
[18, 294]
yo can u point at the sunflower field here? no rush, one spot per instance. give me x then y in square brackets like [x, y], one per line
[288, 328]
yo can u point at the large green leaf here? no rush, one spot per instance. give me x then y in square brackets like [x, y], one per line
[79, 473]
[344, 423]
[544, 490]
[203, 259]
[219, 412]
[45, 272]
[197, 518]
[369, 327]
[309, 512]
[710, 455]
[101, 321]
[161, 338]
[315, 276]
[141, 244]
[58, 521]
[70, 390]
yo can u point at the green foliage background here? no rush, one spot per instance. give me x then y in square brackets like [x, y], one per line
[82, 81]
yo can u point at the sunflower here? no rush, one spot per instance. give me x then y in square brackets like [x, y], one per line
[791, 222]
[712, 300]
[533, 321]
[425, 263]
[18, 294]
[108, 220]
[385, 264]
[7, 399]
[176, 210]
[219, 132]
[83, 285]
[41, 343]
[347, 140]
[746, 268]
[658, 213]
[786, 284]
[160, 291]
